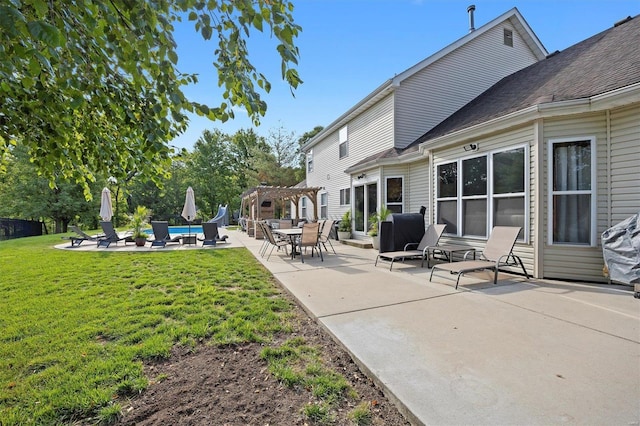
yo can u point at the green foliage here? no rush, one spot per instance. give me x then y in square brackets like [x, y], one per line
[361, 415]
[375, 219]
[92, 88]
[139, 220]
[296, 364]
[345, 222]
[75, 337]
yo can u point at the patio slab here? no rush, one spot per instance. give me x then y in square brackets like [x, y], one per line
[533, 352]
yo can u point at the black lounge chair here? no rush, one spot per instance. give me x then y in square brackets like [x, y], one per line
[110, 235]
[161, 234]
[211, 235]
[80, 236]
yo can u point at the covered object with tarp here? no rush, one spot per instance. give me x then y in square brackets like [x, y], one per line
[621, 251]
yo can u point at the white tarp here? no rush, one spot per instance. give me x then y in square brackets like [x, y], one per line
[621, 250]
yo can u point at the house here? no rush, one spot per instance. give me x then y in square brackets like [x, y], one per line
[553, 147]
[356, 157]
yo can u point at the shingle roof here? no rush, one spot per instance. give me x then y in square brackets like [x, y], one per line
[599, 64]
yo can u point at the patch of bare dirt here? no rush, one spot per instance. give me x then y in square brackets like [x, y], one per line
[231, 385]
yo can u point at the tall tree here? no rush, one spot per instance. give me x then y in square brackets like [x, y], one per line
[213, 172]
[92, 87]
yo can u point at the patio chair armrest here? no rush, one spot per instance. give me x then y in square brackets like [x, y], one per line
[406, 246]
[467, 253]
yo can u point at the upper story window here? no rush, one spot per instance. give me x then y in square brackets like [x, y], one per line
[344, 142]
[508, 37]
[310, 161]
[571, 191]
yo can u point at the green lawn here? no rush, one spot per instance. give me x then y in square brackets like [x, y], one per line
[76, 326]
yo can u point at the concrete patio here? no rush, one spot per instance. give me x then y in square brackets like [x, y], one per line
[534, 352]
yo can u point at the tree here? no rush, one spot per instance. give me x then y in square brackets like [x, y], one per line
[213, 171]
[306, 137]
[92, 88]
[25, 195]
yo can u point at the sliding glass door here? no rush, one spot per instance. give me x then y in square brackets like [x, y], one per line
[366, 203]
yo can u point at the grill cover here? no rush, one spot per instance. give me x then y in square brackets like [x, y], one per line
[621, 250]
[402, 228]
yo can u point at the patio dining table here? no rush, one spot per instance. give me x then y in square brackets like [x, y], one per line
[291, 234]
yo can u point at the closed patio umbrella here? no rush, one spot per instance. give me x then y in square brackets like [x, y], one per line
[106, 211]
[189, 209]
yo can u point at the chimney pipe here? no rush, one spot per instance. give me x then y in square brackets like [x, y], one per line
[470, 11]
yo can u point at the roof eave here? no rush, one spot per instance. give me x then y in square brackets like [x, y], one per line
[380, 162]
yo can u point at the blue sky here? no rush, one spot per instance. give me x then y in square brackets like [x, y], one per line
[350, 47]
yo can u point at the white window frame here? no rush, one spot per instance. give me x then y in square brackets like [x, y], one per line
[490, 195]
[310, 161]
[343, 143]
[324, 205]
[592, 192]
[344, 193]
[386, 192]
[462, 198]
[303, 208]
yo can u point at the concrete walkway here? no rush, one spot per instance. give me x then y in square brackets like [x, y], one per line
[519, 352]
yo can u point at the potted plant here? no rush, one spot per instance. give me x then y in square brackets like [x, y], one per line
[344, 228]
[139, 220]
[374, 225]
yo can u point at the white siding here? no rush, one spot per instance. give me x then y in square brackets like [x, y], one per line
[417, 188]
[625, 164]
[515, 137]
[431, 95]
[370, 132]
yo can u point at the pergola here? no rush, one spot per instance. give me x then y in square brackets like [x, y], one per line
[255, 196]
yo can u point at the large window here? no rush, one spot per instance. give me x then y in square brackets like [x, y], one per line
[343, 142]
[489, 191]
[345, 197]
[474, 196]
[324, 205]
[447, 197]
[394, 194]
[572, 196]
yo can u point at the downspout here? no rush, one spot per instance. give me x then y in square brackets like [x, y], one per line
[538, 191]
[609, 208]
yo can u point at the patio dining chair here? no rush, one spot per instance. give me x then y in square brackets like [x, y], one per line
[271, 241]
[325, 231]
[497, 253]
[310, 238]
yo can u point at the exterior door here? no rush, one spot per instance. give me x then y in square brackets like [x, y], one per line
[366, 204]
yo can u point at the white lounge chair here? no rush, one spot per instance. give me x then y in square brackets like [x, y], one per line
[497, 253]
[429, 239]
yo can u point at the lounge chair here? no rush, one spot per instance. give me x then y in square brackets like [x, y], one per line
[211, 235]
[161, 234]
[325, 230]
[310, 238]
[429, 239]
[80, 236]
[111, 236]
[497, 253]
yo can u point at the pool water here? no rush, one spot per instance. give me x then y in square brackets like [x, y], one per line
[179, 230]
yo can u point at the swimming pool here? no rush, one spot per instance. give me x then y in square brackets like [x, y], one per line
[179, 230]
